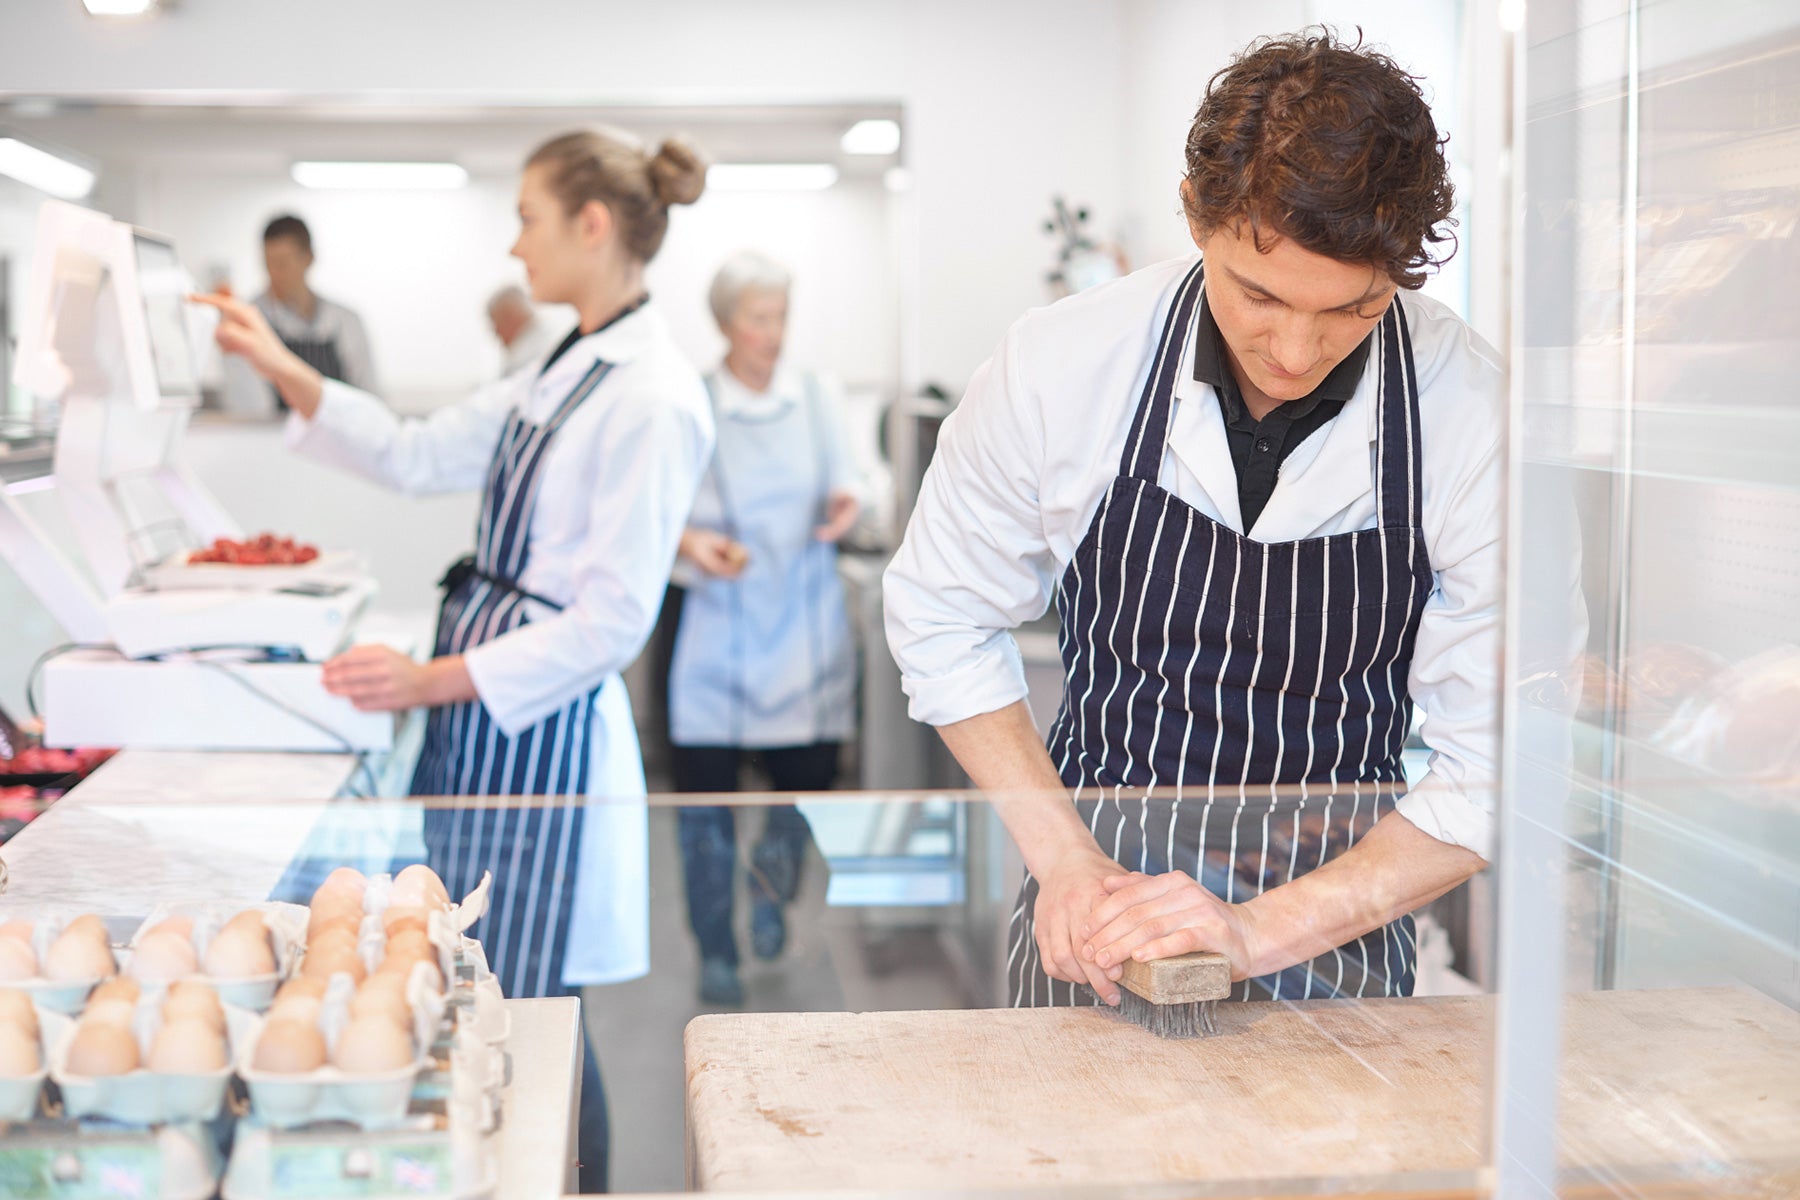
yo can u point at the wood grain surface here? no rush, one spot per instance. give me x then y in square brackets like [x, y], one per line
[1658, 1087]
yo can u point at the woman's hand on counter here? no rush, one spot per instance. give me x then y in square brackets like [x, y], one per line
[381, 679]
[244, 331]
[714, 553]
[1146, 917]
[841, 510]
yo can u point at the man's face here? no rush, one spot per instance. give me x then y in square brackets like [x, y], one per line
[1287, 316]
[287, 264]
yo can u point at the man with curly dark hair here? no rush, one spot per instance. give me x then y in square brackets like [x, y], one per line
[1263, 485]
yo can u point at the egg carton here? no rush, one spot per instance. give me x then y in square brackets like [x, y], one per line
[143, 1096]
[371, 1101]
[445, 928]
[19, 1093]
[66, 996]
[287, 934]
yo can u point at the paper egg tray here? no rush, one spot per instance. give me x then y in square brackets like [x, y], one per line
[19, 1096]
[54, 995]
[143, 1096]
[287, 927]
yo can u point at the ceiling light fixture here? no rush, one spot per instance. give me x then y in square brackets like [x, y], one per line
[874, 136]
[44, 171]
[118, 8]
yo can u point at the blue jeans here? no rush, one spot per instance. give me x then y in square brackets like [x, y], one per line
[709, 834]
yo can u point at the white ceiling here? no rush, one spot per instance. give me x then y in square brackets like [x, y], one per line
[267, 137]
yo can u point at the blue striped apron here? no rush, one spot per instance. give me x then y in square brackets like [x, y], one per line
[1236, 709]
[530, 847]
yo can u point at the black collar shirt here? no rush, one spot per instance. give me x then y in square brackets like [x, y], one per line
[1258, 448]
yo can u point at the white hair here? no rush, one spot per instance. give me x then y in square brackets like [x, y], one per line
[510, 296]
[740, 273]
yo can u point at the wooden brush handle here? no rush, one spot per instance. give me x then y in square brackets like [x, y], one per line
[1179, 980]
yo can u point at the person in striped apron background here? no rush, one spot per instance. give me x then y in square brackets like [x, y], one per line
[588, 464]
[326, 335]
[1263, 485]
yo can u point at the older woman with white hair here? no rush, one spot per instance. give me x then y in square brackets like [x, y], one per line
[763, 667]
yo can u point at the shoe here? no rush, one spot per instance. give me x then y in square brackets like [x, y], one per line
[768, 928]
[719, 983]
[775, 868]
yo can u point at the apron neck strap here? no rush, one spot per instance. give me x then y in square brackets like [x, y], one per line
[1398, 470]
[1150, 429]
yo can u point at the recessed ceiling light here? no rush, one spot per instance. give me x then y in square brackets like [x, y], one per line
[771, 177]
[381, 176]
[44, 171]
[875, 136]
[118, 8]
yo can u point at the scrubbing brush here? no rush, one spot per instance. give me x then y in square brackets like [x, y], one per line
[1175, 997]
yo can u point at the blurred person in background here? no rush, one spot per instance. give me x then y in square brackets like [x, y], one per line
[524, 336]
[763, 666]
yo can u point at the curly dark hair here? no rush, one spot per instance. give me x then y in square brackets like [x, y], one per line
[1330, 144]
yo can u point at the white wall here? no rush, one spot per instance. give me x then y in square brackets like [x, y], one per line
[1007, 102]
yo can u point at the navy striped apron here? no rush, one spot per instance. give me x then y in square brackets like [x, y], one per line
[1236, 709]
[530, 847]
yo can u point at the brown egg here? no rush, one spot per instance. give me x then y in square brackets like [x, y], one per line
[77, 957]
[163, 958]
[239, 954]
[122, 1013]
[251, 919]
[179, 926]
[16, 1009]
[419, 885]
[194, 1002]
[405, 916]
[16, 929]
[402, 966]
[300, 985]
[372, 1044]
[19, 1054]
[17, 961]
[384, 995]
[120, 987]
[331, 960]
[304, 1009]
[88, 925]
[410, 942]
[102, 1049]
[187, 1048]
[289, 1048]
[333, 910]
[345, 881]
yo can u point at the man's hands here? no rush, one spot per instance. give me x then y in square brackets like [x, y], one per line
[1145, 917]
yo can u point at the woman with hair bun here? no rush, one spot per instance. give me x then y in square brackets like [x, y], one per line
[588, 466]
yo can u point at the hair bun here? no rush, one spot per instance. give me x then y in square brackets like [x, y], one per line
[677, 173]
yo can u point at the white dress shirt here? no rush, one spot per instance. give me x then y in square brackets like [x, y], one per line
[614, 493]
[1023, 462]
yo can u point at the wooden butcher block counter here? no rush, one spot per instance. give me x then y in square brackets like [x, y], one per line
[1694, 1079]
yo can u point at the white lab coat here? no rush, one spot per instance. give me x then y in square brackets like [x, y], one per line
[765, 660]
[1023, 462]
[615, 491]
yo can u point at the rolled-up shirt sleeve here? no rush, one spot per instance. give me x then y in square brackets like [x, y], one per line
[446, 451]
[976, 561]
[651, 455]
[1455, 674]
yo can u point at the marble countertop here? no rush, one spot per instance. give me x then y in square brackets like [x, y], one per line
[155, 827]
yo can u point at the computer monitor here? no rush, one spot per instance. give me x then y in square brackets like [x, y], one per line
[105, 317]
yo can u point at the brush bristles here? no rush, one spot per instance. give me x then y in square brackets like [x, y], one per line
[1194, 1019]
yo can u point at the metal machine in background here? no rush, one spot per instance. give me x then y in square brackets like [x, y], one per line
[164, 653]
